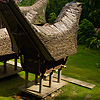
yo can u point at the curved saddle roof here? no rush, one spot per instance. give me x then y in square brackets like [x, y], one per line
[54, 41]
[60, 38]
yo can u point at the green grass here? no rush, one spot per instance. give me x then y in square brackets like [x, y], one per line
[10, 86]
[85, 66]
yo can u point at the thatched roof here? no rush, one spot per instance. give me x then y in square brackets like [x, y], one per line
[54, 41]
[5, 43]
[60, 39]
[35, 13]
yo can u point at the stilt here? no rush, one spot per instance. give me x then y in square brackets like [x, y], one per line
[26, 79]
[15, 64]
[59, 75]
[50, 79]
[36, 78]
[40, 85]
[5, 68]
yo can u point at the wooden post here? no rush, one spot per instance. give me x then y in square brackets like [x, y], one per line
[0, 23]
[26, 79]
[40, 85]
[36, 78]
[50, 79]
[59, 75]
[15, 64]
[5, 68]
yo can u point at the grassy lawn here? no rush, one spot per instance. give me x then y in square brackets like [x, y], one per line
[85, 66]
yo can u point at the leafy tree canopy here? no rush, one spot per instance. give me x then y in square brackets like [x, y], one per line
[86, 31]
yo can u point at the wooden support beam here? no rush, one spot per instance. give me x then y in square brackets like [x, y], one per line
[15, 64]
[36, 78]
[50, 79]
[0, 23]
[40, 85]
[5, 68]
[26, 79]
[59, 75]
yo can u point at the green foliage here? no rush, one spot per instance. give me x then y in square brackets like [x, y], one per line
[94, 42]
[53, 8]
[52, 17]
[86, 31]
[91, 11]
[88, 36]
[94, 17]
[26, 2]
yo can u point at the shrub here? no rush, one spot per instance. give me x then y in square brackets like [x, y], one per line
[52, 18]
[55, 6]
[86, 31]
[94, 42]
